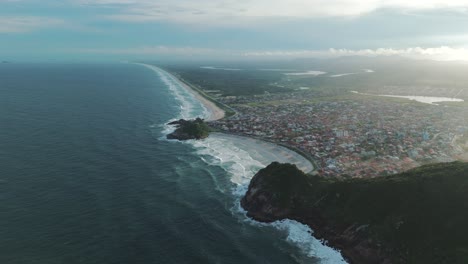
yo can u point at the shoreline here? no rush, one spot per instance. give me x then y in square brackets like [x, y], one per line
[256, 146]
[299, 152]
[218, 113]
[270, 150]
[214, 111]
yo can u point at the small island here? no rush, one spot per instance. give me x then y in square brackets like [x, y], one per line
[418, 216]
[189, 129]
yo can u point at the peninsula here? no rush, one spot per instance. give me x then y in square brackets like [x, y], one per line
[418, 216]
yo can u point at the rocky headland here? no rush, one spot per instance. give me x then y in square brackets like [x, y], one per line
[189, 129]
[418, 216]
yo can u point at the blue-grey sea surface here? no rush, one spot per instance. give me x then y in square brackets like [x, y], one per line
[86, 175]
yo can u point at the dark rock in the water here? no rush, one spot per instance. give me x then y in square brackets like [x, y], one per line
[418, 216]
[177, 122]
[189, 129]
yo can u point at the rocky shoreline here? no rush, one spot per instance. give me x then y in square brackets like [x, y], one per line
[414, 217]
[262, 205]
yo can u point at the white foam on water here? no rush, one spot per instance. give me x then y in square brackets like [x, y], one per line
[225, 154]
[236, 159]
[190, 107]
[300, 234]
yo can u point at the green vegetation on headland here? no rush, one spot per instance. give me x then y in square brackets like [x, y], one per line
[189, 129]
[419, 216]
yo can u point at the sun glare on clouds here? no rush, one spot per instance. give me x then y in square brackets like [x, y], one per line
[205, 11]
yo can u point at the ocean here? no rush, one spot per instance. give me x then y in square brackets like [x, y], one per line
[87, 176]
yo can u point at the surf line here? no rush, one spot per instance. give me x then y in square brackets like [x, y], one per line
[297, 233]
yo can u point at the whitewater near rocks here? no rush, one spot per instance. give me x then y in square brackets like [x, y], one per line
[241, 158]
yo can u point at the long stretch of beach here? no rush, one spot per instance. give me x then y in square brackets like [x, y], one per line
[215, 112]
[242, 156]
[261, 149]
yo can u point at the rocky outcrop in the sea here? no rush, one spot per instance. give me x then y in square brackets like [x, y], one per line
[415, 217]
[189, 129]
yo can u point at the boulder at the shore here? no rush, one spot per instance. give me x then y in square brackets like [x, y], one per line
[189, 129]
[418, 216]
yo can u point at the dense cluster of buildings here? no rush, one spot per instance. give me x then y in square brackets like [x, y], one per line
[352, 138]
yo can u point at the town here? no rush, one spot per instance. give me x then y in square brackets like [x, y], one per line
[359, 137]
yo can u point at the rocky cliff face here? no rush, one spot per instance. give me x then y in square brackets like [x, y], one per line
[371, 220]
[282, 191]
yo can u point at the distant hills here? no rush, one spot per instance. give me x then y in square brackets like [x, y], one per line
[419, 216]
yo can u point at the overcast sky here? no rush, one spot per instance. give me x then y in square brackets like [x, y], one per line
[231, 29]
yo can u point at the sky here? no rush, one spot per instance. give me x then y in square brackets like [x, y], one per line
[231, 29]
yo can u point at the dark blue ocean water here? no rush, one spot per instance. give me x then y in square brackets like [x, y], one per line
[86, 176]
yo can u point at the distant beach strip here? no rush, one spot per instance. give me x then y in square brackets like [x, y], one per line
[261, 150]
[215, 112]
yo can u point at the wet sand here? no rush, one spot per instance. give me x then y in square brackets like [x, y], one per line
[267, 152]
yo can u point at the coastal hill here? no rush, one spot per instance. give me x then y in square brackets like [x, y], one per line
[189, 129]
[419, 216]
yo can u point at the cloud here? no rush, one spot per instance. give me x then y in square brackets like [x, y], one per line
[235, 11]
[442, 53]
[18, 24]
[437, 53]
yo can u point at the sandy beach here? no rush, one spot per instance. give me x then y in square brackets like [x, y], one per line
[266, 152]
[263, 151]
[215, 112]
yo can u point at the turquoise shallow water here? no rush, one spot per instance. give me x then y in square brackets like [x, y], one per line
[86, 176]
